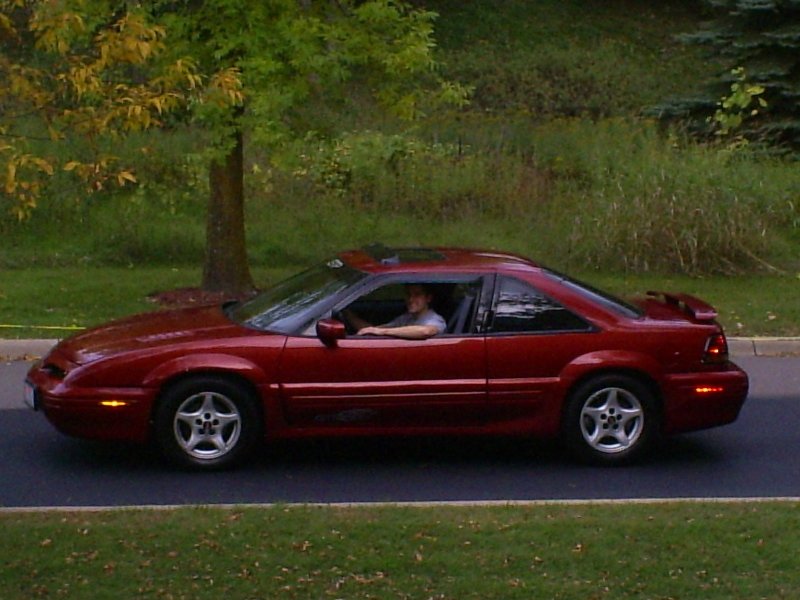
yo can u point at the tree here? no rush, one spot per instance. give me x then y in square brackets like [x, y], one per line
[284, 54]
[70, 69]
[762, 37]
[100, 69]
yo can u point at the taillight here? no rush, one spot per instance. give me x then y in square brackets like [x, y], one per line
[716, 349]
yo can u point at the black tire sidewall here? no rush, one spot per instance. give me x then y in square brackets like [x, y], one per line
[571, 426]
[176, 394]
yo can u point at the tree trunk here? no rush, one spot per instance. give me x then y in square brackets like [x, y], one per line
[226, 268]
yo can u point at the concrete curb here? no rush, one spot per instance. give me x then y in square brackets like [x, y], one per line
[13, 350]
[764, 346]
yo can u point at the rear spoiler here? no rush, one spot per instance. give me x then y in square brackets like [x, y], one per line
[699, 310]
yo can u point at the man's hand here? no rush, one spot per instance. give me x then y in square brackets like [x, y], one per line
[371, 330]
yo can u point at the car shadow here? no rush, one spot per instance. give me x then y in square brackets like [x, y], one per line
[511, 452]
[411, 451]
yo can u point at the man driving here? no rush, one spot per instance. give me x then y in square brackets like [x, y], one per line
[419, 321]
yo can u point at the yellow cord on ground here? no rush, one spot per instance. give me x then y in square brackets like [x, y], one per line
[60, 327]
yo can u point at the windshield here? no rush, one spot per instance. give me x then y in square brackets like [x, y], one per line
[290, 305]
[603, 298]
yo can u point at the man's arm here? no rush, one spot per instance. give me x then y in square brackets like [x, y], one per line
[407, 332]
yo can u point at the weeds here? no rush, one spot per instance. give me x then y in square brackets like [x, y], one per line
[510, 172]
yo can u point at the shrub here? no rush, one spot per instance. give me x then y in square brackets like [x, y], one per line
[642, 201]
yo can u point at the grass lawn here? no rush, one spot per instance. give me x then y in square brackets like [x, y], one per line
[51, 302]
[669, 550]
[32, 300]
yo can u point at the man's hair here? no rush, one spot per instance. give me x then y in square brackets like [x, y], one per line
[428, 288]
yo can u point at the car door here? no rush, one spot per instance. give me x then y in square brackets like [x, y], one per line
[387, 383]
[530, 338]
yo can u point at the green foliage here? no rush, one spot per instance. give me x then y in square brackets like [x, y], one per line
[763, 37]
[737, 106]
[556, 58]
[573, 193]
[94, 71]
[641, 202]
[286, 53]
[611, 193]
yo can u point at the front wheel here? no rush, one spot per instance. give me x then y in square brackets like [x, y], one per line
[207, 423]
[610, 420]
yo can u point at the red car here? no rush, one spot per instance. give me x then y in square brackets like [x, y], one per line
[515, 349]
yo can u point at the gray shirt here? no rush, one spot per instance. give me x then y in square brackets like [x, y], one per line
[429, 317]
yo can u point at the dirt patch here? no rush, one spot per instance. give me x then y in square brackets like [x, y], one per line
[191, 296]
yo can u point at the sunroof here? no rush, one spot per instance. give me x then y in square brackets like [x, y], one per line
[396, 256]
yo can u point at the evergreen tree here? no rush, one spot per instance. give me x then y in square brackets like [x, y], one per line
[763, 38]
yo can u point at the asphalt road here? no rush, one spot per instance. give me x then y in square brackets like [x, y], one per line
[758, 456]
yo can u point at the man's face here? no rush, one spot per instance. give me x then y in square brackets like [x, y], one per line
[417, 300]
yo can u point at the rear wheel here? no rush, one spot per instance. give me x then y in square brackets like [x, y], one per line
[610, 420]
[207, 422]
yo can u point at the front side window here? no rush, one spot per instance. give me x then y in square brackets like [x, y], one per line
[521, 308]
[454, 302]
[291, 304]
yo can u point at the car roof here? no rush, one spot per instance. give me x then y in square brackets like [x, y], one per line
[378, 259]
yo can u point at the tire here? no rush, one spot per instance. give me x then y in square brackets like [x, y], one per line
[610, 420]
[207, 423]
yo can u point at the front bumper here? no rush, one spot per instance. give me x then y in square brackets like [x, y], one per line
[93, 413]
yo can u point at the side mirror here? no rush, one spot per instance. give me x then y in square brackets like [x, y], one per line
[330, 330]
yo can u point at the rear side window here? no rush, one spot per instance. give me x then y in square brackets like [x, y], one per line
[520, 308]
[602, 298]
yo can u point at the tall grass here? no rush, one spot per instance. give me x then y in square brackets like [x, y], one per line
[512, 171]
[636, 199]
[614, 194]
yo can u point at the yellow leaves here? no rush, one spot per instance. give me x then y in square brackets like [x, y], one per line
[26, 83]
[97, 174]
[225, 88]
[55, 30]
[21, 179]
[11, 178]
[83, 79]
[41, 164]
[99, 82]
[125, 176]
[180, 74]
[54, 134]
[15, 164]
[7, 26]
[130, 41]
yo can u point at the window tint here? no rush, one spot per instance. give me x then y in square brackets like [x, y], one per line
[595, 295]
[521, 308]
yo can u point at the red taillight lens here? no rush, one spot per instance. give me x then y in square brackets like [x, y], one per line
[716, 349]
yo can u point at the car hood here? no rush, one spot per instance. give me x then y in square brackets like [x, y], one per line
[150, 330]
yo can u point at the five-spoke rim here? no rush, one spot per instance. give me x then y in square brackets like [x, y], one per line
[207, 425]
[612, 420]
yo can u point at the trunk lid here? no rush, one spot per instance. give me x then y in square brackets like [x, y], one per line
[677, 306]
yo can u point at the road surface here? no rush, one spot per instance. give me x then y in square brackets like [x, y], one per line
[758, 456]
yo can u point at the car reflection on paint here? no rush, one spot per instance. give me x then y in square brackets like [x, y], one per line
[527, 351]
